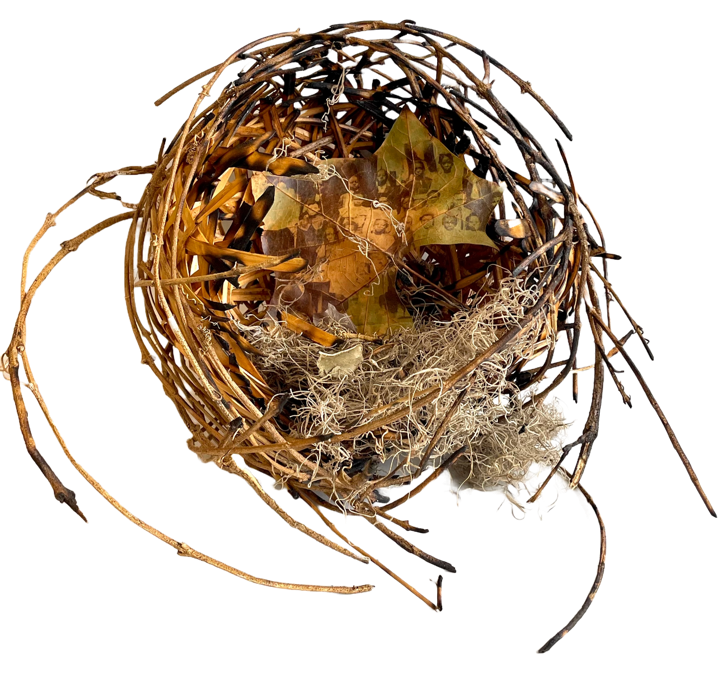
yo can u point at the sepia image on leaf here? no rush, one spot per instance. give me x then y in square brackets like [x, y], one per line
[354, 221]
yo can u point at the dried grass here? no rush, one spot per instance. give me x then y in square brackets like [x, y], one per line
[504, 432]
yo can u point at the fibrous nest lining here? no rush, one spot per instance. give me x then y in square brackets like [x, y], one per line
[503, 431]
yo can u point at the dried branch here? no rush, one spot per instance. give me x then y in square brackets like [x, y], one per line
[598, 577]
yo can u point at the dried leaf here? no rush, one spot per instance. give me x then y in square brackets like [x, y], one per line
[232, 156]
[511, 229]
[299, 325]
[340, 363]
[247, 221]
[439, 199]
[351, 226]
[281, 166]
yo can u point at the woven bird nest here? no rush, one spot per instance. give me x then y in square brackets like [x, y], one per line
[344, 286]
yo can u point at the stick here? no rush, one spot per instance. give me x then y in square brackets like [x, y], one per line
[661, 415]
[598, 576]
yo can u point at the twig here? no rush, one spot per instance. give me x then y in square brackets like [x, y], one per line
[306, 496]
[17, 348]
[231, 467]
[446, 463]
[658, 411]
[598, 576]
[414, 550]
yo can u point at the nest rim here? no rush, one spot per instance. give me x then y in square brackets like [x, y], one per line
[280, 61]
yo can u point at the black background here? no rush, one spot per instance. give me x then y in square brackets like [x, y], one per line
[84, 104]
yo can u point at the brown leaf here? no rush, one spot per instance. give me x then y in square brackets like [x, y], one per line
[280, 166]
[246, 223]
[238, 153]
[351, 226]
[511, 229]
[299, 325]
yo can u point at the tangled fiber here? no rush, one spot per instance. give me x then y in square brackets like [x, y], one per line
[502, 433]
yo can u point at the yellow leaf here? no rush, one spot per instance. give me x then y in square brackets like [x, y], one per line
[352, 223]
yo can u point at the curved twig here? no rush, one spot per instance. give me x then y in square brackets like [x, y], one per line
[598, 576]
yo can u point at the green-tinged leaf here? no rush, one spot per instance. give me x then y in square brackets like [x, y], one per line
[351, 225]
[437, 197]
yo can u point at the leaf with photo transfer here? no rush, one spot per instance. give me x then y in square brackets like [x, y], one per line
[437, 197]
[350, 227]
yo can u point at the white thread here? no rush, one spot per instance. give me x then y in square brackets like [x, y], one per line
[328, 170]
[279, 151]
[337, 90]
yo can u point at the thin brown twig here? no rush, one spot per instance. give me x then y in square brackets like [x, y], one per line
[403, 523]
[231, 467]
[17, 349]
[658, 410]
[446, 463]
[598, 576]
[311, 500]
[412, 549]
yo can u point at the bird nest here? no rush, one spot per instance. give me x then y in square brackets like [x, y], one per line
[341, 284]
